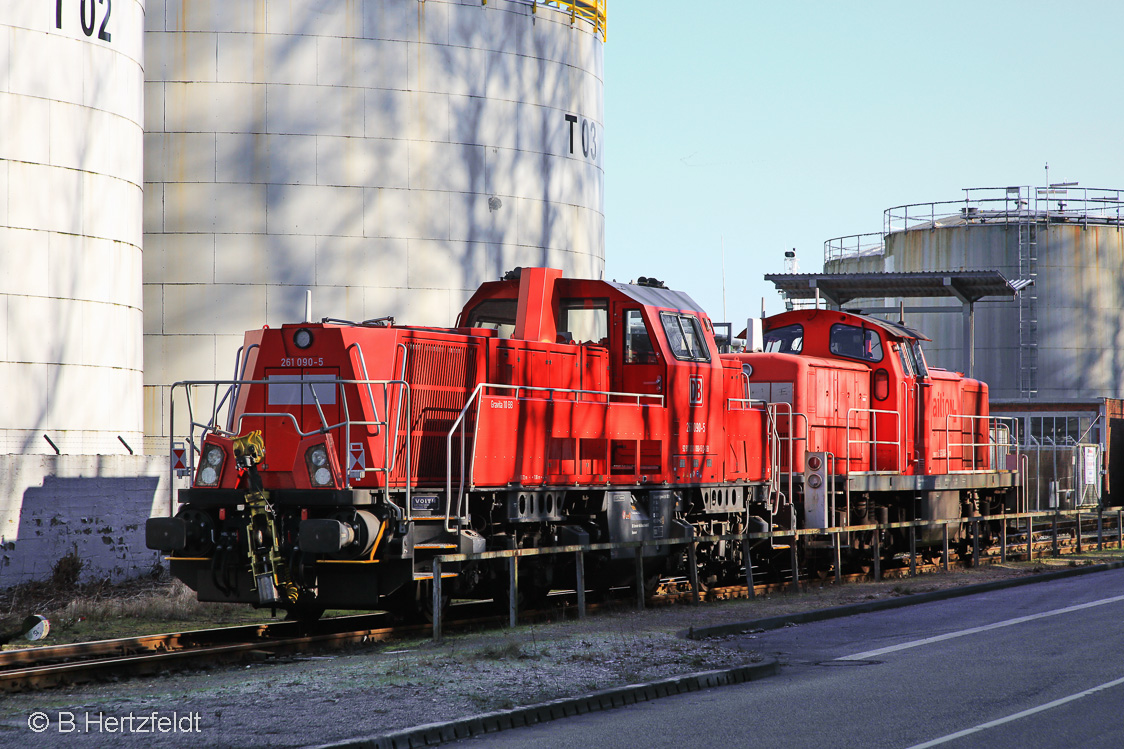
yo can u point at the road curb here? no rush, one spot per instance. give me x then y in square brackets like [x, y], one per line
[606, 699]
[776, 622]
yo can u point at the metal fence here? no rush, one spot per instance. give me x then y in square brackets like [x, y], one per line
[1033, 521]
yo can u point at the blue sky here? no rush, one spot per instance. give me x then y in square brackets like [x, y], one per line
[779, 125]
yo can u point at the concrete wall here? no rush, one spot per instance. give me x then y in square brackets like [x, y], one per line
[51, 506]
[390, 155]
[70, 226]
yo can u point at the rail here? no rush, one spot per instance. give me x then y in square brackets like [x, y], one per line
[198, 430]
[458, 423]
[997, 423]
[512, 556]
[590, 11]
[1018, 204]
[874, 442]
[854, 245]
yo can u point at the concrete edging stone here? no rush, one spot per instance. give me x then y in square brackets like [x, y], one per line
[606, 699]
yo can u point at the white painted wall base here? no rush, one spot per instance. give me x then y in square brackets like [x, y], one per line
[93, 504]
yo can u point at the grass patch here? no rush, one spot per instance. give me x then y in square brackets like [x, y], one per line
[100, 609]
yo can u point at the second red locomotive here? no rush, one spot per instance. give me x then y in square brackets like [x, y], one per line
[345, 456]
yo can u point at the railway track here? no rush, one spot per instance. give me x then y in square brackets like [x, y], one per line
[36, 668]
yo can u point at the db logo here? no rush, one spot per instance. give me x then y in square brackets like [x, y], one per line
[696, 390]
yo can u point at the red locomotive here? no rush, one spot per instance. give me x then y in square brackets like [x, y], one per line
[560, 411]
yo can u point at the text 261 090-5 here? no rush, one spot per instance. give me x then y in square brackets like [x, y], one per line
[299, 361]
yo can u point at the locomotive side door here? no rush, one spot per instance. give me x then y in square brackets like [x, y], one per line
[637, 359]
[913, 408]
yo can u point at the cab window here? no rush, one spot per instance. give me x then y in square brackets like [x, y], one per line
[495, 314]
[638, 347]
[684, 336]
[786, 340]
[855, 342]
[584, 321]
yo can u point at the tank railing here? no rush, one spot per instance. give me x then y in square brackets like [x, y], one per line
[202, 429]
[458, 423]
[873, 443]
[1003, 424]
[975, 533]
[592, 11]
[1008, 205]
[854, 245]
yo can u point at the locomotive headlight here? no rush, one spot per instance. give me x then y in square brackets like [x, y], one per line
[815, 481]
[302, 338]
[319, 456]
[814, 463]
[210, 467]
[319, 472]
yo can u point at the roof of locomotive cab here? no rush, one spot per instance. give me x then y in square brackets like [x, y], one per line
[796, 315]
[652, 296]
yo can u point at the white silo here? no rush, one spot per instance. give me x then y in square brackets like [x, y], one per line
[389, 155]
[71, 135]
[70, 226]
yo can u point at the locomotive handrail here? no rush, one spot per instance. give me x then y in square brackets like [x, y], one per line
[776, 407]
[239, 374]
[370, 395]
[345, 426]
[458, 422]
[873, 441]
[993, 422]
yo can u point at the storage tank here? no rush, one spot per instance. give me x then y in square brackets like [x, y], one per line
[71, 80]
[389, 155]
[1064, 337]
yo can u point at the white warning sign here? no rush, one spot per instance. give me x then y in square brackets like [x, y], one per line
[357, 460]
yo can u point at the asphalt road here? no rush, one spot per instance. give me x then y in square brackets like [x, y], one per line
[1033, 666]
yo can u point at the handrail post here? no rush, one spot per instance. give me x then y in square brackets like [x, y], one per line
[975, 542]
[945, 557]
[437, 599]
[913, 550]
[837, 543]
[795, 564]
[1100, 528]
[579, 574]
[877, 555]
[640, 577]
[513, 590]
[693, 571]
[1029, 538]
[1003, 540]
[748, 567]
